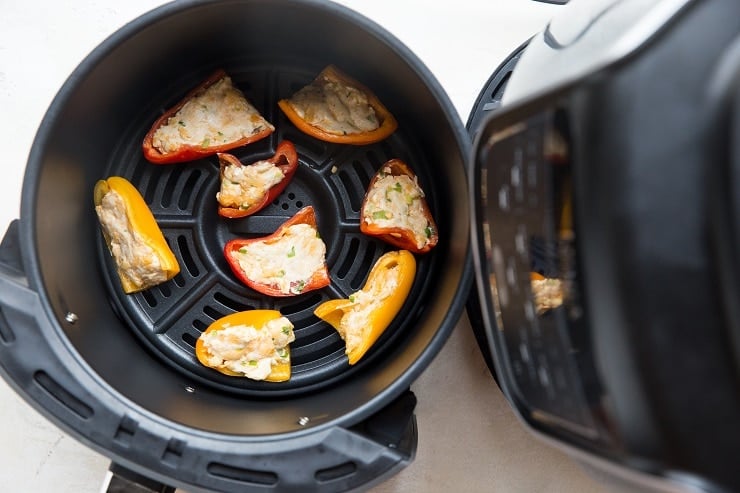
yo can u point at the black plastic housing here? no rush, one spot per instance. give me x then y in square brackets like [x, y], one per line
[653, 351]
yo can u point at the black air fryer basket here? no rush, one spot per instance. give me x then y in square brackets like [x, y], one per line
[118, 371]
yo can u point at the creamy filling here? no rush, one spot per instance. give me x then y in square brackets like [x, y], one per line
[548, 294]
[135, 259]
[244, 186]
[396, 202]
[217, 116]
[248, 350]
[355, 323]
[287, 262]
[335, 107]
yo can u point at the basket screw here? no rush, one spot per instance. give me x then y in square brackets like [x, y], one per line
[303, 420]
[190, 389]
[71, 317]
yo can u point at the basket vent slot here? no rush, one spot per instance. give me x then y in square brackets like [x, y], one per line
[189, 190]
[354, 189]
[149, 298]
[62, 396]
[150, 192]
[349, 259]
[164, 290]
[301, 304]
[361, 274]
[285, 200]
[230, 303]
[169, 190]
[187, 257]
[213, 313]
[189, 339]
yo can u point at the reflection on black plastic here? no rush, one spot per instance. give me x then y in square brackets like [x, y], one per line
[531, 247]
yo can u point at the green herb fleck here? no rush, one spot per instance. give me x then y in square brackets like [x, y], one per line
[291, 253]
[252, 362]
[181, 123]
[206, 142]
[298, 287]
[243, 250]
[286, 330]
[429, 231]
[381, 215]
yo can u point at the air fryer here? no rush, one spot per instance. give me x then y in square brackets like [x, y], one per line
[118, 371]
[603, 240]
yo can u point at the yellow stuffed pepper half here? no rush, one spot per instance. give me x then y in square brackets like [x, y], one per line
[142, 256]
[363, 317]
[252, 344]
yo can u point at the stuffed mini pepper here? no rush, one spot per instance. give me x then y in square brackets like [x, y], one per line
[289, 262]
[213, 117]
[336, 108]
[246, 189]
[363, 317]
[252, 344]
[142, 256]
[394, 209]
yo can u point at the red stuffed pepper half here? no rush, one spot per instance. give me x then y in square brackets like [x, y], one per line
[394, 209]
[289, 262]
[246, 189]
[213, 117]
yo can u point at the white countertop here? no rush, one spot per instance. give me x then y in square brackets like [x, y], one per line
[461, 42]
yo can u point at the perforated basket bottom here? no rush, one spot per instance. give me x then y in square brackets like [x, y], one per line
[332, 178]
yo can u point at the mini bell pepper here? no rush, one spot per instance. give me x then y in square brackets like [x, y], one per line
[394, 209]
[302, 117]
[137, 269]
[280, 369]
[194, 131]
[285, 159]
[279, 264]
[366, 314]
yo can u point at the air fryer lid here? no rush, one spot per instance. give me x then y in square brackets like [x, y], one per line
[637, 230]
[116, 364]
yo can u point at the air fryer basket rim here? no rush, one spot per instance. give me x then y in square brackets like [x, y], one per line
[30, 213]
